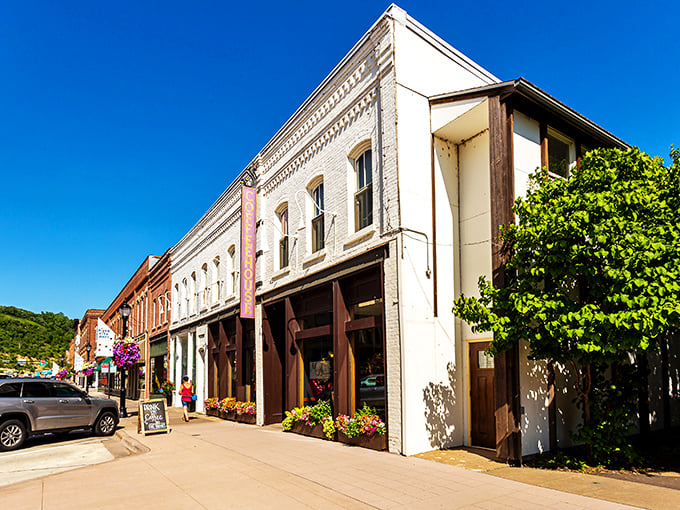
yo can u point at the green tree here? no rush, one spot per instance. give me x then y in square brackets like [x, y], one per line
[593, 277]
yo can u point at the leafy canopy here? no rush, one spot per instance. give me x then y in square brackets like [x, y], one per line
[594, 262]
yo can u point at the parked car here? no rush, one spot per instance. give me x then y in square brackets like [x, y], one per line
[372, 390]
[36, 406]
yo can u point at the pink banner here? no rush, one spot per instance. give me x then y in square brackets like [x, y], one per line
[248, 208]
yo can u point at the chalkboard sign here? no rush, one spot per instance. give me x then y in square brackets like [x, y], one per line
[153, 417]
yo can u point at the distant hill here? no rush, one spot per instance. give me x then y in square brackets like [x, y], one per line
[40, 336]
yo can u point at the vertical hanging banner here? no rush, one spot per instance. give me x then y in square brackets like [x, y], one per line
[248, 208]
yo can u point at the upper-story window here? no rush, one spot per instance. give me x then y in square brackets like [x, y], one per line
[192, 293]
[231, 276]
[215, 282]
[153, 321]
[318, 229]
[204, 293]
[282, 219]
[178, 302]
[167, 306]
[561, 153]
[363, 198]
[185, 297]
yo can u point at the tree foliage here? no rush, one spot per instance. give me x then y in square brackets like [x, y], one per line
[594, 266]
[39, 336]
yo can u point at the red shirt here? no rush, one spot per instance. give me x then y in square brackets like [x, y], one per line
[186, 391]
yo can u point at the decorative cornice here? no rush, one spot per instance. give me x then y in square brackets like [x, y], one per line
[346, 117]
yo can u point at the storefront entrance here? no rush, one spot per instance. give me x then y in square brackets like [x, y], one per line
[326, 343]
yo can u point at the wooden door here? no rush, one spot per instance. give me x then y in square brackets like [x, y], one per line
[483, 420]
[273, 359]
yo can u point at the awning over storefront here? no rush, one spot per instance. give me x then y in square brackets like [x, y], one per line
[159, 348]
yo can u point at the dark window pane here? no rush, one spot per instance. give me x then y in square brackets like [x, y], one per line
[10, 390]
[363, 208]
[317, 355]
[37, 390]
[317, 233]
[559, 158]
[65, 390]
[283, 252]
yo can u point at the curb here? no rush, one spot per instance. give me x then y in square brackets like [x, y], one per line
[130, 443]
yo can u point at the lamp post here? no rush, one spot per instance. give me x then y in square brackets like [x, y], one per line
[124, 311]
[88, 348]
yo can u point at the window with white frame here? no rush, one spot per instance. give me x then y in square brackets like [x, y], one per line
[363, 198]
[153, 321]
[561, 153]
[185, 297]
[167, 305]
[231, 276]
[192, 293]
[317, 221]
[282, 220]
[215, 282]
[204, 293]
[178, 302]
[161, 310]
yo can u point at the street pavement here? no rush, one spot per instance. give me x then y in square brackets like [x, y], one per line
[214, 464]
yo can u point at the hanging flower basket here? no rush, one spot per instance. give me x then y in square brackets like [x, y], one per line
[88, 368]
[125, 353]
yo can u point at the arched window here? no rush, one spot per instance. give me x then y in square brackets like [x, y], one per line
[282, 232]
[317, 217]
[204, 293]
[167, 304]
[178, 303]
[192, 293]
[185, 297]
[215, 281]
[363, 197]
[231, 268]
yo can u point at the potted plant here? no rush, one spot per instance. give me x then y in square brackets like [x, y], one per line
[168, 387]
[314, 421]
[211, 406]
[246, 412]
[228, 408]
[364, 428]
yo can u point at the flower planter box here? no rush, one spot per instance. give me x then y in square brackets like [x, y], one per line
[229, 415]
[213, 412]
[301, 427]
[375, 442]
[246, 418]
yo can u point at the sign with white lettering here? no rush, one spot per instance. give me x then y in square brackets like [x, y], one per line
[248, 213]
[153, 417]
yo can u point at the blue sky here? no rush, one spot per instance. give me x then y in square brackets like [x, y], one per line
[121, 122]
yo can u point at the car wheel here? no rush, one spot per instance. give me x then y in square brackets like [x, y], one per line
[12, 435]
[106, 424]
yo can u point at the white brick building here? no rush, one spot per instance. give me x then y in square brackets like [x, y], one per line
[378, 203]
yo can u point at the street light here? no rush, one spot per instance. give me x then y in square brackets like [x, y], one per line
[88, 348]
[124, 311]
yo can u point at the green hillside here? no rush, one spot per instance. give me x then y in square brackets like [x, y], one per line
[31, 335]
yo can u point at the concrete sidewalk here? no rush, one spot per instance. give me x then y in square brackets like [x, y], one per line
[215, 464]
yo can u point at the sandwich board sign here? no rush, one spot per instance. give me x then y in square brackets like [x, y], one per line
[153, 417]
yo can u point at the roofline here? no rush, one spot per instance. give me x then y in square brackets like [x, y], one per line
[530, 91]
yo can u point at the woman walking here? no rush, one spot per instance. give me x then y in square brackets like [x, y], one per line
[186, 391]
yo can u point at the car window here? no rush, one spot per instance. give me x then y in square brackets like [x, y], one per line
[36, 389]
[10, 390]
[65, 390]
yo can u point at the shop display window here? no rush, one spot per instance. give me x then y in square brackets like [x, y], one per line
[369, 365]
[317, 357]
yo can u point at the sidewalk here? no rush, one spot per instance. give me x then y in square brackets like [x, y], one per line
[214, 464]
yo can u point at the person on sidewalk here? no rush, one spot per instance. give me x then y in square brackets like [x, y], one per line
[186, 391]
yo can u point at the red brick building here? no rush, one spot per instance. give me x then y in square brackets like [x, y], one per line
[160, 300]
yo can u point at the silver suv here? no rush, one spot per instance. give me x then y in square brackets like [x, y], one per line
[36, 406]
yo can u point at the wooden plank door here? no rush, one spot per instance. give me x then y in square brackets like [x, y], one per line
[483, 420]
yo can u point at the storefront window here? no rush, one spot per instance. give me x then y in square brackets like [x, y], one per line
[317, 356]
[316, 320]
[369, 364]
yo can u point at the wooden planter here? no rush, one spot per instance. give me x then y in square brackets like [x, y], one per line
[375, 442]
[301, 427]
[213, 412]
[246, 418]
[228, 415]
